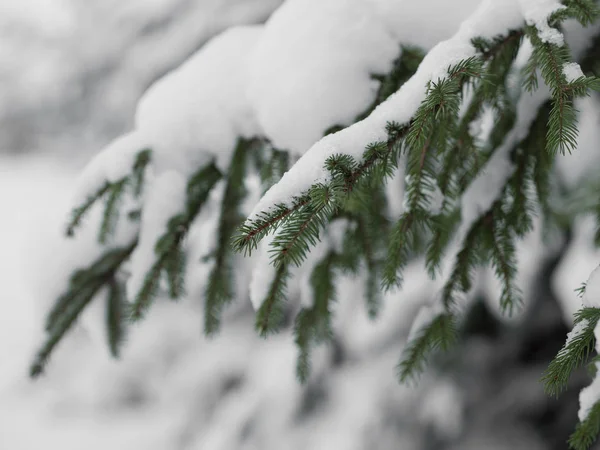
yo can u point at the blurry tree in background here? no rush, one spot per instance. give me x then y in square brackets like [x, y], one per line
[437, 196]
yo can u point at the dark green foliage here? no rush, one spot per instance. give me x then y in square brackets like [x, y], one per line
[439, 334]
[574, 353]
[116, 308]
[501, 242]
[550, 59]
[467, 259]
[313, 324]
[110, 216]
[78, 213]
[584, 11]
[113, 193]
[85, 284]
[270, 315]
[169, 252]
[586, 432]
[220, 288]
[276, 164]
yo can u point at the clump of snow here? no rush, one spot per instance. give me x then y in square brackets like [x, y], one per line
[426, 315]
[588, 397]
[405, 19]
[435, 198]
[537, 12]
[579, 260]
[394, 190]
[591, 297]
[165, 199]
[315, 257]
[263, 274]
[577, 330]
[487, 186]
[312, 68]
[572, 71]
[443, 408]
[578, 168]
[336, 232]
[491, 18]
[199, 110]
[112, 164]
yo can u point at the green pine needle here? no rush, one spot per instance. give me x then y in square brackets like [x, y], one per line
[587, 431]
[574, 353]
[439, 334]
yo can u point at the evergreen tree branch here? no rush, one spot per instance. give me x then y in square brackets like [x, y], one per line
[587, 431]
[84, 286]
[170, 257]
[270, 314]
[313, 325]
[439, 334]
[115, 315]
[574, 353]
[220, 287]
[114, 192]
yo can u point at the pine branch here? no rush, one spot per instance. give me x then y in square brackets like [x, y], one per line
[115, 315]
[292, 243]
[584, 11]
[551, 59]
[170, 257]
[466, 260]
[111, 210]
[439, 334]
[574, 353]
[445, 226]
[114, 192]
[373, 296]
[313, 325]
[270, 314]
[219, 289]
[84, 286]
[251, 232]
[504, 262]
[587, 431]
[79, 212]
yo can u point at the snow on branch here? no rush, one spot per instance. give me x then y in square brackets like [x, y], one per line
[489, 20]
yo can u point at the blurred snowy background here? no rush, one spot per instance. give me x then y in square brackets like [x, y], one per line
[71, 73]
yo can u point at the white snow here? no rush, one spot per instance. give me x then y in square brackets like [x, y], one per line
[572, 71]
[576, 331]
[491, 18]
[413, 23]
[165, 199]
[426, 315]
[111, 164]
[198, 111]
[579, 260]
[315, 257]
[435, 199]
[591, 297]
[336, 232]
[312, 68]
[578, 168]
[263, 274]
[443, 408]
[487, 186]
[588, 397]
[536, 12]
